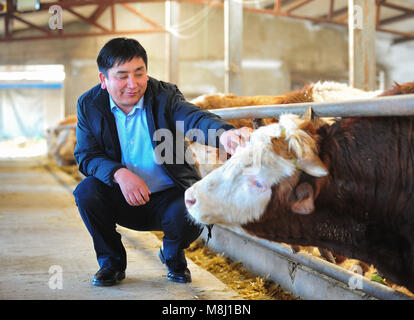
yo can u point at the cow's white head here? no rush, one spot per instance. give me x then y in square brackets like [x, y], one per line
[239, 191]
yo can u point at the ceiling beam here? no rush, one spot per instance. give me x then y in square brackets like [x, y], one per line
[277, 6]
[297, 5]
[98, 12]
[396, 7]
[80, 35]
[402, 40]
[71, 3]
[335, 13]
[398, 18]
[281, 8]
[44, 30]
[85, 19]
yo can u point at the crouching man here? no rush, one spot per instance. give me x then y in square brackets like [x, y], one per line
[125, 184]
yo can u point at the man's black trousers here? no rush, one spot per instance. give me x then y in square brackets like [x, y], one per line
[103, 207]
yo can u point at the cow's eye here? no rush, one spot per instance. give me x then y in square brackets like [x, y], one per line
[259, 185]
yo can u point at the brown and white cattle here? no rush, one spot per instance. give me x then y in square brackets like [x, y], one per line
[348, 187]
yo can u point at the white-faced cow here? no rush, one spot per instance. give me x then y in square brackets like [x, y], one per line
[348, 187]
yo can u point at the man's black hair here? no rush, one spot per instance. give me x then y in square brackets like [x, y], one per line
[118, 51]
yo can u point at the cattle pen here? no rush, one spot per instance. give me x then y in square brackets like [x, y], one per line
[304, 275]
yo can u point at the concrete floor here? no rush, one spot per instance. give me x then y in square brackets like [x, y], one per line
[47, 253]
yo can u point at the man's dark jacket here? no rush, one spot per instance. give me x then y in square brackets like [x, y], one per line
[98, 151]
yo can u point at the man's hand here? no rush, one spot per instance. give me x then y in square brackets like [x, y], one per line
[133, 188]
[231, 139]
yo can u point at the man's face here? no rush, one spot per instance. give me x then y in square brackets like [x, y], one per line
[126, 83]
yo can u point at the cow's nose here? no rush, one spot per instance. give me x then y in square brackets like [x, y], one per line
[190, 200]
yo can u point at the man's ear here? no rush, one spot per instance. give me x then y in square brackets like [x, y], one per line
[102, 78]
[304, 199]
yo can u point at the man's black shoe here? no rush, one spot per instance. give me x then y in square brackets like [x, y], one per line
[107, 277]
[183, 276]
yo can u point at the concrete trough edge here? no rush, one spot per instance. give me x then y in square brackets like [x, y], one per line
[302, 274]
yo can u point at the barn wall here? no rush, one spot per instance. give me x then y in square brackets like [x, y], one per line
[278, 54]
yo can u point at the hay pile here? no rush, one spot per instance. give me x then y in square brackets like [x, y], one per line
[233, 274]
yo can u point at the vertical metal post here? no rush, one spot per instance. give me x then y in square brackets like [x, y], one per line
[113, 17]
[362, 59]
[172, 14]
[233, 44]
[8, 20]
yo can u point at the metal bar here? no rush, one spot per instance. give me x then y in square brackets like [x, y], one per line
[334, 13]
[98, 12]
[297, 5]
[377, 15]
[331, 9]
[398, 18]
[319, 279]
[172, 42]
[401, 40]
[361, 28]
[71, 3]
[233, 44]
[277, 6]
[44, 30]
[400, 33]
[397, 7]
[8, 21]
[321, 19]
[113, 18]
[87, 20]
[318, 20]
[378, 107]
[7, 26]
[80, 35]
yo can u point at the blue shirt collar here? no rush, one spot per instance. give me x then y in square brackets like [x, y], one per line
[139, 105]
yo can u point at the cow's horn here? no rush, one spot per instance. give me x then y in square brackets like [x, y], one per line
[313, 166]
[308, 115]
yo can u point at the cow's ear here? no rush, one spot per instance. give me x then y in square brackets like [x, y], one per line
[304, 199]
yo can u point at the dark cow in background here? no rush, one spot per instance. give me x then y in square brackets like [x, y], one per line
[348, 187]
[398, 89]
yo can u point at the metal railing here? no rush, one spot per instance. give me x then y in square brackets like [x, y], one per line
[402, 105]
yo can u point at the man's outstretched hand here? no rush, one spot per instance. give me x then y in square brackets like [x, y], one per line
[231, 139]
[134, 189]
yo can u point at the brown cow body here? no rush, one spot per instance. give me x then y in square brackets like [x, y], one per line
[361, 207]
[365, 207]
